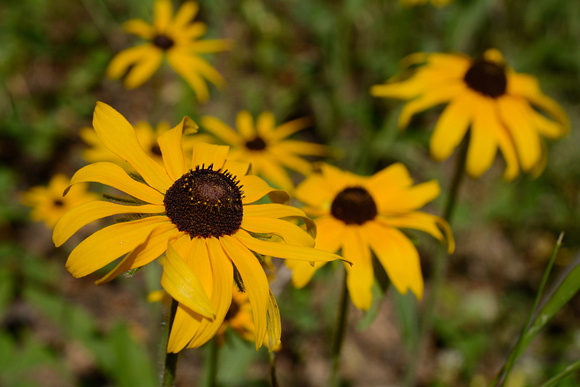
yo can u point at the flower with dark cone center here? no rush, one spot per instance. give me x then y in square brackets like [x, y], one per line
[257, 144]
[163, 42]
[205, 203]
[57, 203]
[486, 77]
[354, 205]
[156, 150]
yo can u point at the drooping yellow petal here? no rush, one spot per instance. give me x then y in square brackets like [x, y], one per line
[181, 63]
[289, 232]
[170, 144]
[209, 154]
[121, 62]
[117, 134]
[330, 233]
[114, 176]
[281, 250]
[452, 126]
[483, 141]
[289, 160]
[109, 243]
[546, 127]
[183, 285]
[255, 282]
[288, 128]
[211, 46]
[508, 150]
[221, 130]
[519, 124]
[273, 323]
[398, 256]
[140, 28]
[314, 192]
[207, 71]
[302, 272]
[78, 217]
[144, 68]
[360, 276]
[152, 248]
[255, 188]
[274, 173]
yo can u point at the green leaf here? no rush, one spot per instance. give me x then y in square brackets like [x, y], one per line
[567, 371]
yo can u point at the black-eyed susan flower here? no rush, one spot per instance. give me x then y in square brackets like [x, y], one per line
[266, 146]
[48, 203]
[147, 136]
[502, 109]
[198, 212]
[175, 38]
[357, 215]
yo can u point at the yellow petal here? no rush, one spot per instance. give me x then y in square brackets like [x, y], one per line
[401, 201]
[452, 126]
[398, 256]
[508, 150]
[162, 13]
[302, 148]
[483, 140]
[519, 125]
[109, 243]
[207, 71]
[211, 46]
[288, 128]
[429, 99]
[360, 276]
[302, 272]
[265, 124]
[290, 161]
[255, 282]
[114, 176]
[221, 130]
[255, 188]
[182, 284]
[281, 250]
[236, 169]
[209, 154]
[123, 60]
[144, 69]
[171, 148]
[152, 248]
[185, 14]
[314, 192]
[289, 232]
[273, 322]
[140, 28]
[181, 63]
[395, 175]
[271, 170]
[117, 134]
[330, 233]
[272, 210]
[76, 218]
[245, 125]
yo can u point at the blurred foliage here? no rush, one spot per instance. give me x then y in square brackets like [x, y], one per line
[296, 58]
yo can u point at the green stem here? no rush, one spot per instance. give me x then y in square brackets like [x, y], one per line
[170, 358]
[440, 264]
[273, 379]
[212, 362]
[339, 331]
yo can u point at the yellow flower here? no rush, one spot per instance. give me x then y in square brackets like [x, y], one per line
[498, 104]
[48, 203]
[265, 146]
[358, 214]
[198, 213]
[147, 137]
[175, 38]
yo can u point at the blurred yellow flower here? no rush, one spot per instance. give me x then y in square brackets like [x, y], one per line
[196, 210]
[147, 137]
[177, 39]
[496, 103]
[357, 214]
[436, 3]
[266, 147]
[49, 203]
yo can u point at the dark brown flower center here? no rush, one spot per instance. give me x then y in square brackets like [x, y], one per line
[354, 205]
[163, 42]
[156, 150]
[486, 77]
[205, 203]
[57, 203]
[257, 144]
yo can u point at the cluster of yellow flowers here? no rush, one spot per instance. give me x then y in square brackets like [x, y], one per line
[194, 203]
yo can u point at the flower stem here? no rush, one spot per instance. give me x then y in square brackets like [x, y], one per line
[212, 362]
[170, 358]
[339, 332]
[273, 378]
[439, 268]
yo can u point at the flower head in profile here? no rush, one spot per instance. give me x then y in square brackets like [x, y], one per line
[357, 215]
[501, 108]
[266, 145]
[197, 211]
[175, 38]
[147, 136]
[48, 203]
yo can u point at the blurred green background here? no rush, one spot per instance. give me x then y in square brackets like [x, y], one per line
[296, 58]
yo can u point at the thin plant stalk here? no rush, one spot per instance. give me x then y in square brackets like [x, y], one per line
[170, 365]
[503, 374]
[440, 264]
[339, 331]
[213, 362]
[273, 378]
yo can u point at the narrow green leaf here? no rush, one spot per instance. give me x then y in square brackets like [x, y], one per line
[567, 371]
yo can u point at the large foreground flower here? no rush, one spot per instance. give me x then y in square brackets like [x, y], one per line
[199, 213]
[175, 38]
[266, 146]
[48, 204]
[502, 108]
[357, 214]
